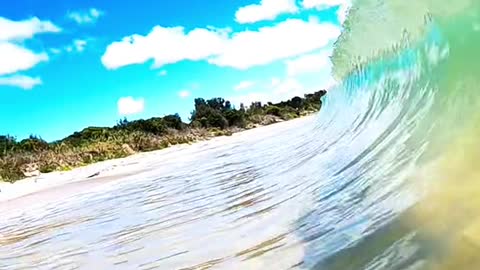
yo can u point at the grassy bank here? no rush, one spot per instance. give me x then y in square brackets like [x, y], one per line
[210, 118]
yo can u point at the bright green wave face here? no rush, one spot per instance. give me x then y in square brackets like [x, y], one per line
[375, 27]
[449, 213]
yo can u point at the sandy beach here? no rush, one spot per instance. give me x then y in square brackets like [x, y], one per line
[59, 185]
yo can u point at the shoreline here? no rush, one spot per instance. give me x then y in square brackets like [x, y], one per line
[216, 117]
[108, 171]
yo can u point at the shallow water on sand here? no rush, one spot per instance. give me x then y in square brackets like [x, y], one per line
[263, 199]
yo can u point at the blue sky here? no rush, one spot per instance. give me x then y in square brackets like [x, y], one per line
[71, 64]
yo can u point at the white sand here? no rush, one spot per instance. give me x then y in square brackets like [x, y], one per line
[106, 170]
[55, 183]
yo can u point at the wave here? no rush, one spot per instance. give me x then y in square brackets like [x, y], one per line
[406, 116]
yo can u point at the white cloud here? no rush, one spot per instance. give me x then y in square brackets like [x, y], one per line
[13, 53]
[275, 81]
[342, 13]
[324, 4]
[287, 89]
[287, 39]
[184, 93]
[309, 63]
[85, 16]
[80, 44]
[16, 58]
[77, 45]
[26, 29]
[21, 81]
[165, 45]
[129, 105]
[162, 72]
[244, 85]
[266, 10]
[240, 50]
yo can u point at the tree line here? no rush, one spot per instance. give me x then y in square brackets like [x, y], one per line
[212, 113]
[215, 116]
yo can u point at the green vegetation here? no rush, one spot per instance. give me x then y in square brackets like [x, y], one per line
[210, 118]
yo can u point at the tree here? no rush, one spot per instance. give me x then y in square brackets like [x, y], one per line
[242, 108]
[216, 103]
[122, 123]
[173, 121]
[228, 106]
[255, 108]
[274, 110]
[200, 110]
[33, 144]
[216, 119]
[235, 118]
[7, 144]
[199, 102]
[296, 102]
[211, 113]
[154, 125]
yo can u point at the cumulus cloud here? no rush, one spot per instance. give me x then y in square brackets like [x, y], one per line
[21, 81]
[324, 4]
[265, 10]
[165, 45]
[184, 93]
[16, 58]
[287, 39]
[130, 105]
[244, 85]
[89, 16]
[309, 63]
[240, 50]
[25, 29]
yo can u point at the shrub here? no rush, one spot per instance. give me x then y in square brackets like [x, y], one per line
[7, 144]
[296, 102]
[216, 119]
[33, 144]
[174, 121]
[274, 110]
[196, 124]
[235, 118]
[92, 144]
